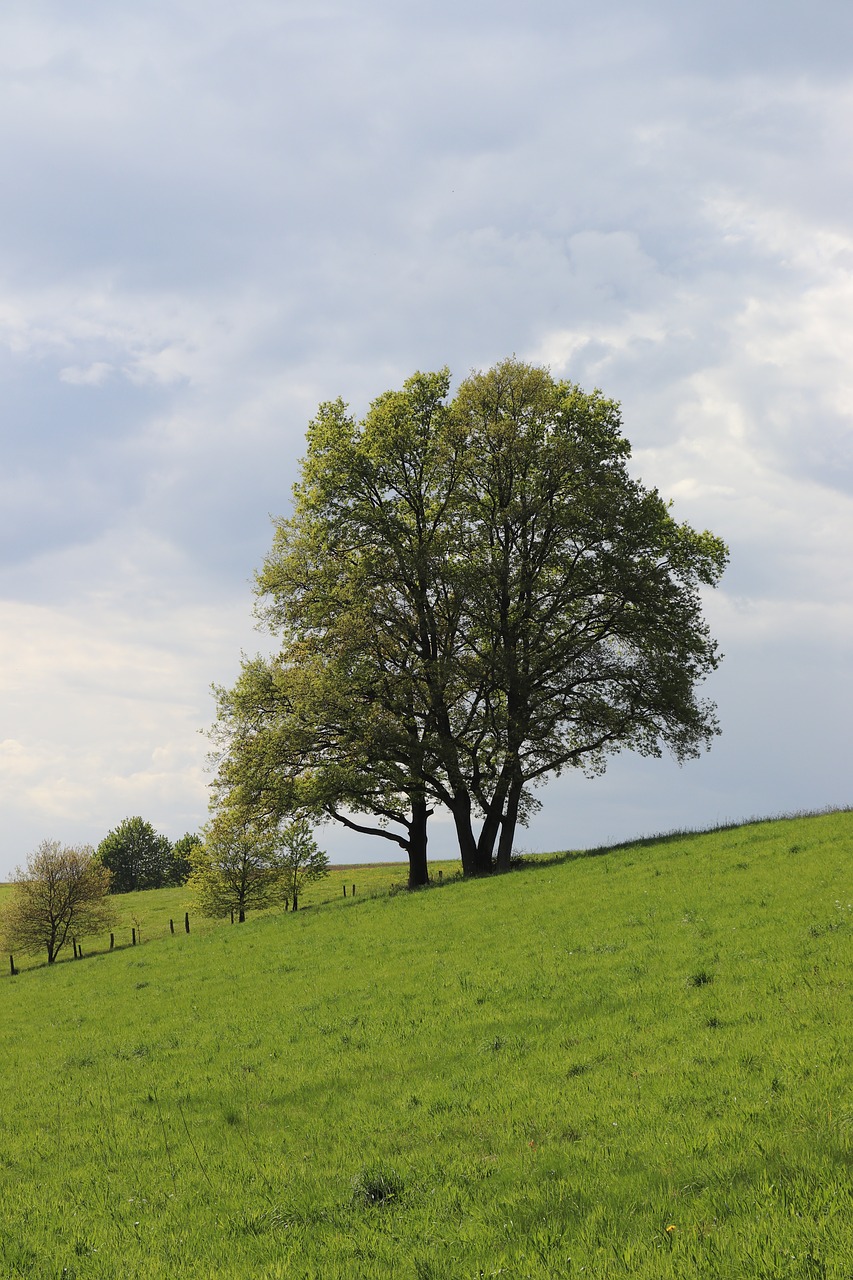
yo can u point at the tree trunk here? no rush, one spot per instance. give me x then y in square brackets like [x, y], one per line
[461, 810]
[488, 833]
[241, 914]
[417, 845]
[492, 822]
[508, 825]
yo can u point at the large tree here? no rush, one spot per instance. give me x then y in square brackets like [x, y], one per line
[60, 894]
[471, 595]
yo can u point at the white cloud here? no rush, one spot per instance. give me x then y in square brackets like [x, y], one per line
[102, 723]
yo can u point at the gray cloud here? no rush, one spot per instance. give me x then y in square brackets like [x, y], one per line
[221, 217]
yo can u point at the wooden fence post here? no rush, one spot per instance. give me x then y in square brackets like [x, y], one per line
[12, 963]
[172, 926]
[133, 936]
[187, 921]
[353, 891]
[345, 891]
[112, 941]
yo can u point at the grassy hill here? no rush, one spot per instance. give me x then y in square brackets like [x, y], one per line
[633, 1064]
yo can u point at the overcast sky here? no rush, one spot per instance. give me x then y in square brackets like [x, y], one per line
[214, 216]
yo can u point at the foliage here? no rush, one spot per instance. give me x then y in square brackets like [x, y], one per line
[59, 895]
[207, 1105]
[235, 869]
[137, 856]
[300, 859]
[180, 863]
[470, 596]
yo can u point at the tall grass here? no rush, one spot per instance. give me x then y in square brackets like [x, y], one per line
[636, 1064]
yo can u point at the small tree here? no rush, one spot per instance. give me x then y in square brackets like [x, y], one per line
[301, 859]
[61, 893]
[235, 869]
[137, 855]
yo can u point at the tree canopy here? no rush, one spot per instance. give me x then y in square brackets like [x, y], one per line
[470, 595]
[180, 864]
[301, 861]
[137, 856]
[235, 869]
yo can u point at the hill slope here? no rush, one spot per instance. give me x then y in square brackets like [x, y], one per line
[634, 1064]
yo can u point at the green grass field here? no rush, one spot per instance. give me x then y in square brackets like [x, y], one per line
[636, 1064]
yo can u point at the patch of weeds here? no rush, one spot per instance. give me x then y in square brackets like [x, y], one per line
[141, 1050]
[440, 1107]
[81, 1060]
[818, 930]
[702, 978]
[426, 1269]
[377, 1184]
[713, 1023]
[259, 1222]
[577, 1069]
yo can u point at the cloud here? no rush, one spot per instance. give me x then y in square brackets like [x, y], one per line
[220, 218]
[105, 697]
[93, 375]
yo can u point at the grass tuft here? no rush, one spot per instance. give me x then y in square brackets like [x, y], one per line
[377, 1184]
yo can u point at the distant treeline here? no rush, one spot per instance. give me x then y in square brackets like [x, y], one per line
[138, 857]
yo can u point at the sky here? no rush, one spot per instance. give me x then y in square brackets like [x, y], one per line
[216, 216]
